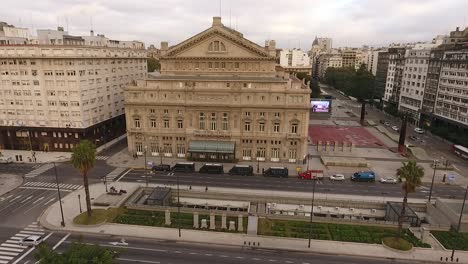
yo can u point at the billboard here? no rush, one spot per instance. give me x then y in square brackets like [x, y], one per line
[320, 106]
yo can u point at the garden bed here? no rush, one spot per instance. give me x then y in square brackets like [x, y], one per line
[185, 220]
[452, 240]
[336, 232]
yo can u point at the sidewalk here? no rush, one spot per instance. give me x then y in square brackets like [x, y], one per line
[25, 156]
[124, 159]
[51, 218]
[9, 182]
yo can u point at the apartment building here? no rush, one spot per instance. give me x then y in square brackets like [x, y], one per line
[396, 63]
[60, 91]
[219, 97]
[327, 60]
[452, 97]
[414, 81]
[380, 82]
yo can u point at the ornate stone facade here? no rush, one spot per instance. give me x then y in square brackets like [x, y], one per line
[219, 97]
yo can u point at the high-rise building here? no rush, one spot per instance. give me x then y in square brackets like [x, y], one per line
[65, 89]
[414, 81]
[396, 64]
[219, 97]
[294, 58]
[381, 73]
[327, 60]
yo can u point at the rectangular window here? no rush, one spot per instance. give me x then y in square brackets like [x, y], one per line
[213, 121]
[261, 127]
[180, 124]
[247, 126]
[292, 154]
[137, 123]
[180, 149]
[225, 121]
[294, 128]
[153, 123]
[166, 123]
[275, 153]
[202, 121]
[276, 127]
[246, 153]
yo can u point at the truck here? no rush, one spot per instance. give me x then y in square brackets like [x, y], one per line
[363, 176]
[311, 175]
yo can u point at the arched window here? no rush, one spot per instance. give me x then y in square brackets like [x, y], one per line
[216, 46]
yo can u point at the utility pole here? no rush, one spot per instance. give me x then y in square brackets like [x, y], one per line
[311, 211]
[432, 183]
[178, 205]
[60, 197]
[459, 219]
[146, 172]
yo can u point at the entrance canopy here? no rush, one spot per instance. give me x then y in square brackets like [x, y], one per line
[208, 146]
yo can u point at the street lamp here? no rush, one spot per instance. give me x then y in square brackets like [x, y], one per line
[433, 176]
[104, 180]
[146, 172]
[307, 161]
[311, 211]
[460, 218]
[178, 204]
[79, 203]
[60, 197]
[258, 163]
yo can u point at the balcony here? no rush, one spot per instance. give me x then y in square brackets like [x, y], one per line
[293, 136]
[212, 133]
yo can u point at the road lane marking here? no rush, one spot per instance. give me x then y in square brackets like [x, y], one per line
[51, 200]
[31, 232]
[38, 199]
[61, 241]
[136, 260]
[123, 175]
[12, 245]
[47, 189]
[31, 250]
[6, 257]
[26, 211]
[9, 253]
[11, 249]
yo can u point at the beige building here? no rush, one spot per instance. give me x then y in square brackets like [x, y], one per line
[53, 96]
[219, 97]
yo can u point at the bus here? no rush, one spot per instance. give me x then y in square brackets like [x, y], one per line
[212, 168]
[184, 167]
[244, 170]
[461, 151]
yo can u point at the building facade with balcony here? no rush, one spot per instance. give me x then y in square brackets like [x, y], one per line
[53, 96]
[219, 97]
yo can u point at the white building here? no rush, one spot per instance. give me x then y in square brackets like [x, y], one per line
[370, 58]
[59, 94]
[414, 80]
[327, 60]
[294, 58]
[10, 34]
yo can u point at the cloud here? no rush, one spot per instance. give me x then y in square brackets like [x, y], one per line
[291, 23]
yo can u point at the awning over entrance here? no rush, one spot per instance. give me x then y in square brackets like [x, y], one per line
[207, 146]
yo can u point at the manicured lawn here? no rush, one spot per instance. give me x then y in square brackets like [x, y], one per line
[397, 243]
[451, 240]
[157, 218]
[98, 216]
[328, 231]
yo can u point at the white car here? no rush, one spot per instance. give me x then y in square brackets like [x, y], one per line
[418, 130]
[395, 128]
[388, 180]
[31, 241]
[337, 177]
[6, 160]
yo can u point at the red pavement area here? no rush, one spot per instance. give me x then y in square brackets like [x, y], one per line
[357, 135]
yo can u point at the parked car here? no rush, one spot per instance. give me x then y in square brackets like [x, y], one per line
[418, 130]
[364, 176]
[161, 167]
[382, 121]
[212, 168]
[311, 175]
[337, 177]
[6, 160]
[31, 241]
[243, 170]
[387, 123]
[414, 138]
[276, 172]
[395, 128]
[388, 180]
[183, 167]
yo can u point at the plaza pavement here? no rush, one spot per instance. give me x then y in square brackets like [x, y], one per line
[9, 182]
[51, 219]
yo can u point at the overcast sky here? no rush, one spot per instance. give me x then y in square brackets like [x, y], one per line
[292, 23]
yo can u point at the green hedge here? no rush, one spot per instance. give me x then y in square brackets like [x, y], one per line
[329, 231]
[451, 239]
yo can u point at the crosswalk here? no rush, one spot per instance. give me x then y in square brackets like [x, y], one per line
[39, 170]
[10, 249]
[115, 173]
[102, 157]
[50, 185]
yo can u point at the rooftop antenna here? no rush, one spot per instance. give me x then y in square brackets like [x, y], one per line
[91, 22]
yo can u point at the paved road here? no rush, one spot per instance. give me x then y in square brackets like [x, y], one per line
[162, 252]
[292, 184]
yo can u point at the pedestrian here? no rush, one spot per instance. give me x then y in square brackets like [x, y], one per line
[206, 188]
[190, 187]
[443, 178]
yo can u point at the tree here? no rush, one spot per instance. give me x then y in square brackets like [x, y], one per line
[314, 86]
[75, 254]
[410, 175]
[153, 64]
[83, 159]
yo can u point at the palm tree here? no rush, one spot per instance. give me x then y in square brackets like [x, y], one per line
[83, 159]
[410, 175]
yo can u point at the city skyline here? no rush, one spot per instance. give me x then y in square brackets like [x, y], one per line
[367, 23]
